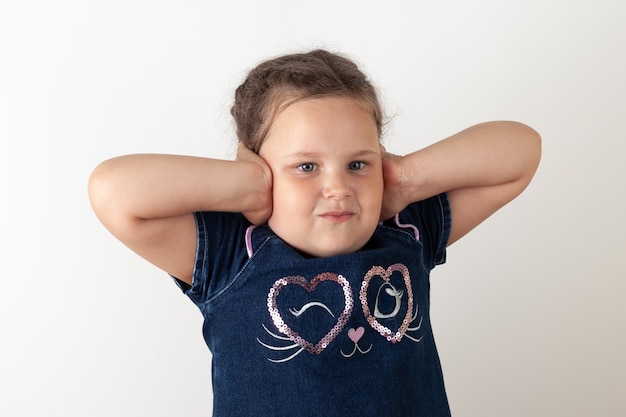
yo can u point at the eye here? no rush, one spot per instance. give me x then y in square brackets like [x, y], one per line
[388, 305]
[298, 312]
[307, 167]
[356, 165]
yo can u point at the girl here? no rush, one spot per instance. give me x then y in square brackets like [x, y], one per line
[309, 255]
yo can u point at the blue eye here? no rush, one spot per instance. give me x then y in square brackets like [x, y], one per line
[356, 165]
[307, 167]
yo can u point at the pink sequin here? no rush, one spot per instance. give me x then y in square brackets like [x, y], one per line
[310, 286]
[385, 274]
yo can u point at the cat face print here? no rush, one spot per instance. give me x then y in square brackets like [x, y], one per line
[308, 315]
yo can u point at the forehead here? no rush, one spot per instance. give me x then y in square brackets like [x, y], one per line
[326, 122]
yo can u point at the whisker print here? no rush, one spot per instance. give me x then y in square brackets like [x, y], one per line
[274, 334]
[287, 358]
[419, 325]
[414, 339]
[277, 348]
[415, 315]
[280, 348]
[415, 328]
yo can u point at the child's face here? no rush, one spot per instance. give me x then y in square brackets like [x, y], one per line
[327, 175]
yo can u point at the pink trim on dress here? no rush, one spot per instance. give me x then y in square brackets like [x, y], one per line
[415, 230]
[249, 240]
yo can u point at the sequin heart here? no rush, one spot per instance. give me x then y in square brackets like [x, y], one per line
[310, 286]
[385, 274]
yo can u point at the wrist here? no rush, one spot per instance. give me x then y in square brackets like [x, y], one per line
[413, 179]
[257, 192]
[397, 178]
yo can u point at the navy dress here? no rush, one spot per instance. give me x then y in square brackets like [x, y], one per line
[350, 335]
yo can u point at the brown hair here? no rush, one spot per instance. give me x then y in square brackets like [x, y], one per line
[290, 78]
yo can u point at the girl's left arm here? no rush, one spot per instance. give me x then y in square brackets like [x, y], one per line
[481, 168]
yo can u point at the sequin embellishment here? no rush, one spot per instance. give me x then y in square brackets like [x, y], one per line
[310, 286]
[385, 274]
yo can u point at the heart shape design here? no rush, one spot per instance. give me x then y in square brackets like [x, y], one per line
[310, 286]
[356, 334]
[385, 274]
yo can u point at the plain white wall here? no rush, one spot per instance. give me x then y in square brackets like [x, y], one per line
[529, 312]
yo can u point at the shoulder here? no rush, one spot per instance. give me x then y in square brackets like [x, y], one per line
[429, 216]
[220, 248]
[219, 225]
[427, 222]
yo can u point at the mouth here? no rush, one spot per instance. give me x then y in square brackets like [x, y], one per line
[337, 216]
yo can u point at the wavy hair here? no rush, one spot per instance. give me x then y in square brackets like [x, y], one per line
[278, 82]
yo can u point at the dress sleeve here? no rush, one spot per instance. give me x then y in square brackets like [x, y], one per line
[433, 220]
[220, 254]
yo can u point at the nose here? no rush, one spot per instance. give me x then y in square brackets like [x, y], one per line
[337, 186]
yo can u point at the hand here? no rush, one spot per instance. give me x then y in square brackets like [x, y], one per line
[393, 174]
[263, 210]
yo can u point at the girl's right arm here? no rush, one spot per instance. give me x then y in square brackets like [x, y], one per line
[148, 201]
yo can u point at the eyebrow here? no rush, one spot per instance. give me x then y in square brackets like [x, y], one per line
[304, 154]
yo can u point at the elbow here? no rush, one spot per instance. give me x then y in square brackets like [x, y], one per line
[528, 151]
[526, 145]
[95, 188]
[99, 189]
[104, 191]
[521, 151]
[532, 147]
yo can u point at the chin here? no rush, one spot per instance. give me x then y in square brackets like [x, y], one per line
[324, 246]
[331, 250]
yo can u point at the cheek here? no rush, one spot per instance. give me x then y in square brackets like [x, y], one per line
[374, 193]
[291, 207]
[291, 196]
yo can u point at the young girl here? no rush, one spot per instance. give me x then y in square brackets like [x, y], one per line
[309, 255]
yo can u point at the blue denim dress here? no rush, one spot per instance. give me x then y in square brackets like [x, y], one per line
[293, 335]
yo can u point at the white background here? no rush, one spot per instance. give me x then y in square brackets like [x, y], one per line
[529, 312]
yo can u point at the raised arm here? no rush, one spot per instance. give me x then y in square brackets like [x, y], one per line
[147, 201]
[482, 168]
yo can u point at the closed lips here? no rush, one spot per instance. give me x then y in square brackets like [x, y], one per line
[337, 215]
